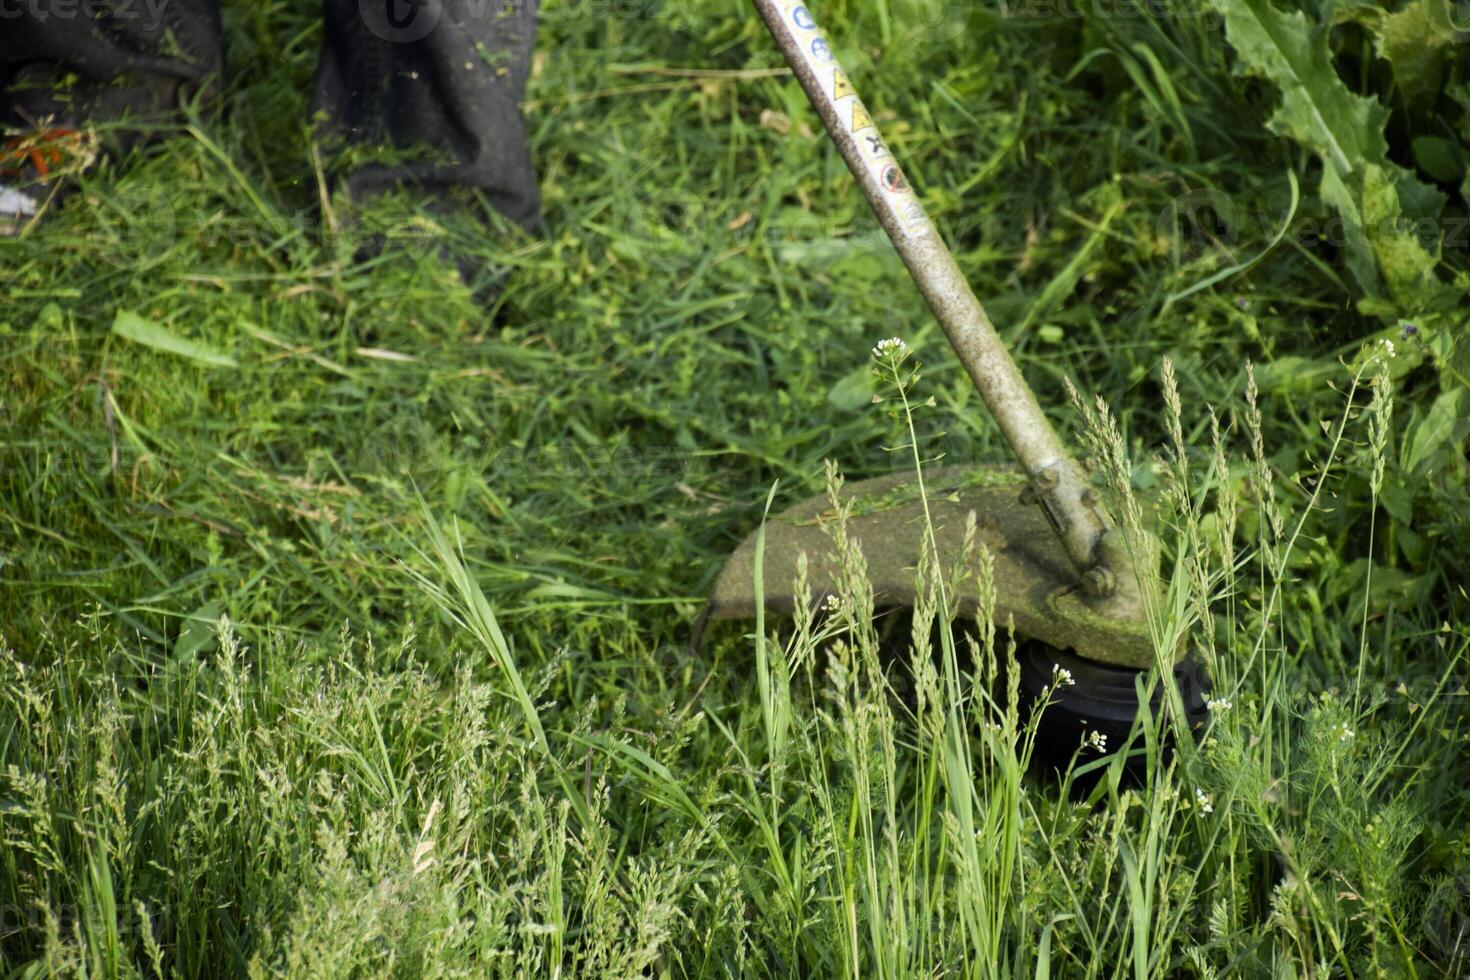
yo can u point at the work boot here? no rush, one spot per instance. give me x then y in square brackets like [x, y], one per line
[442, 76]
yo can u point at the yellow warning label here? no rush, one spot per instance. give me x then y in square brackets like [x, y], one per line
[841, 87]
[860, 117]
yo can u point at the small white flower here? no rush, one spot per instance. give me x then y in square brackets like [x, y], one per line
[1098, 741]
[832, 602]
[1216, 705]
[1344, 733]
[1203, 801]
[891, 346]
[1062, 676]
[1388, 346]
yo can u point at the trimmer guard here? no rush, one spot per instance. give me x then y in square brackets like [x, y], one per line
[1035, 584]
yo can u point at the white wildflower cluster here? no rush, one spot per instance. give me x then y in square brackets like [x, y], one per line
[1203, 801]
[1388, 347]
[1098, 741]
[1218, 705]
[832, 603]
[1061, 676]
[893, 346]
[1344, 733]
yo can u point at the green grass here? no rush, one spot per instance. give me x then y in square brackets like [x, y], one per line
[369, 653]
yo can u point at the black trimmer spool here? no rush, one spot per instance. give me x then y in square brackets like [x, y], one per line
[1101, 698]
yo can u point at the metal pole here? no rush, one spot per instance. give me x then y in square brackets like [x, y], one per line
[1058, 482]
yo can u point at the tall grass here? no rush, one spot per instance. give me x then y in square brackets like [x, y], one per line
[868, 812]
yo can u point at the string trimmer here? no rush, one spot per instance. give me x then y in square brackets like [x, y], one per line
[1069, 578]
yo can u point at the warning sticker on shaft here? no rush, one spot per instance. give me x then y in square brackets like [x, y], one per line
[841, 87]
[896, 198]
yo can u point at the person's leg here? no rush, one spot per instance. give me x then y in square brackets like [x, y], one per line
[442, 74]
[102, 61]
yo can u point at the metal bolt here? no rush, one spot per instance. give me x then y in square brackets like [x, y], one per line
[1099, 581]
[1042, 481]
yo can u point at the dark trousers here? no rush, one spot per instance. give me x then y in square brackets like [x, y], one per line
[443, 74]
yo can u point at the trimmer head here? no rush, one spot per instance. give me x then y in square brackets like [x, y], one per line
[1036, 585]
